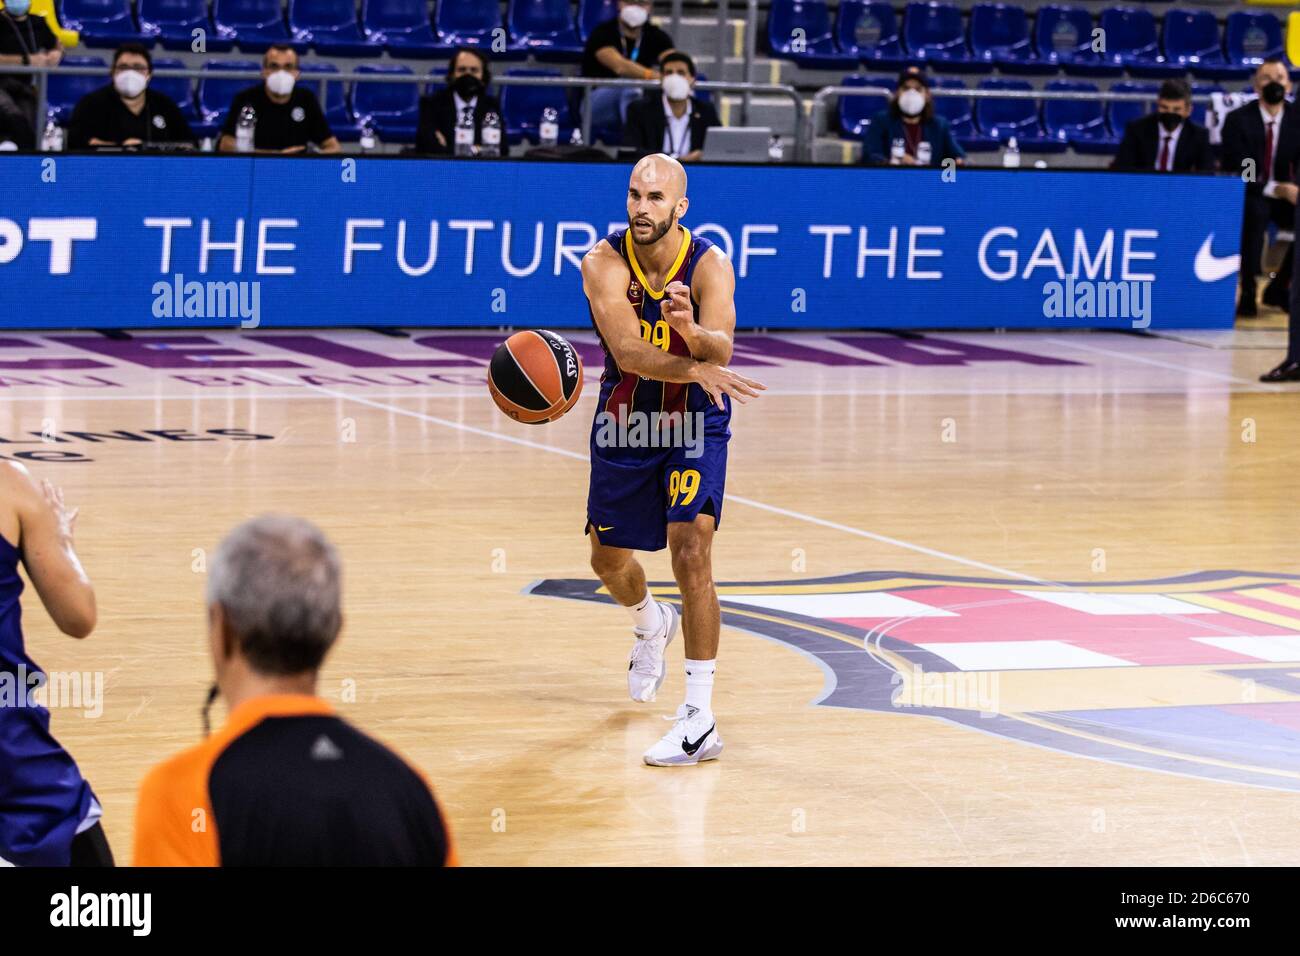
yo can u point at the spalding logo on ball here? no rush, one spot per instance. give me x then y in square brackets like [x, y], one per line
[535, 376]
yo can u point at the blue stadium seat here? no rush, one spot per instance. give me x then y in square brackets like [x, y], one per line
[1251, 38]
[1119, 115]
[1192, 41]
[868, 30]
[933, 32]
[216, 92]
[1131, 43]
[1002, 119]
[960, 113]
[592, 13]
[403, 27]
[523, 106]
[469, 23]
[182, 93]
[800, 30]
[856, 111]
[173, 22]
[999, 34]
[253, 24]
[392, 108]
[176, 87]
[102, 23]
[334, 102]
[331, 27]
[1078, 123]
[1063, 36]
[544, 28]
[65, 90]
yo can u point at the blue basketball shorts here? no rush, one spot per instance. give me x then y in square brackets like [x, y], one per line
[633, 498]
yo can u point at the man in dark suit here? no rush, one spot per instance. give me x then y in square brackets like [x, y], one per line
[670, 120]
[465, 94]
[1260, 143]
[1167, 140]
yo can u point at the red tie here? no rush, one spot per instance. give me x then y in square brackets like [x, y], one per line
[1268, 151]
[1162, 164]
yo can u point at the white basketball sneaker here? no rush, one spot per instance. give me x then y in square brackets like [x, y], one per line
[694, 737]
[645, 666]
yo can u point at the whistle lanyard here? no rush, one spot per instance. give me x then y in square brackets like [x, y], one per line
[636, 49]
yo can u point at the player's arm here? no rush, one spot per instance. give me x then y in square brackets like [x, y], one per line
[604, 280]
[45, 540]
[714, 287]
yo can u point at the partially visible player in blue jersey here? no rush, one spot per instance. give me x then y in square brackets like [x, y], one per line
[662, 302]
[48, 814]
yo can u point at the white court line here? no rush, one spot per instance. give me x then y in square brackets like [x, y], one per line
[478, 393]
[1191, 621]
[1251, 385]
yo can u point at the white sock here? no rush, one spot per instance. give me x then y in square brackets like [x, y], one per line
[699, 685]
[646, 616]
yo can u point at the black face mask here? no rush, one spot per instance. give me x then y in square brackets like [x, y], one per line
[1170, 121]
[467, 87]
[1273, 93]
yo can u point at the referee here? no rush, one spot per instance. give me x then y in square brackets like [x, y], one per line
[285, 782]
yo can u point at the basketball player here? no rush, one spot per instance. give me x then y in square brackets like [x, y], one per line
[661, 301]
[48, 814]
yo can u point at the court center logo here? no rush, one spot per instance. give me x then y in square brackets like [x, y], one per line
[1196, 675]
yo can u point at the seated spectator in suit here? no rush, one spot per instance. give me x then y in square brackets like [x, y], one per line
[670, 120]
[288, 116]
[910, 117]
[126, 112]
[27, 41]
[629, 48]
[1260, 142]
[1167, 140]
[465, 94]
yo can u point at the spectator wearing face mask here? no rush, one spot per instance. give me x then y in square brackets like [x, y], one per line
[1260, 141]
[908, 129]
[628, 47]
[126, 112]
[465, 94]
[27, 41]
[287, 117]
[670, 120]
[1167, 141]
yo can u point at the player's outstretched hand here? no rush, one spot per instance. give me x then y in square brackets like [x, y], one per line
[718, 380]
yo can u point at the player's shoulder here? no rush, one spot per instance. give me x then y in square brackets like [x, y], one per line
[604, 259]
[17, 483]
[712, 260]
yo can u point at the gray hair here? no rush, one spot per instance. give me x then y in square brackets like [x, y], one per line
[276, 580]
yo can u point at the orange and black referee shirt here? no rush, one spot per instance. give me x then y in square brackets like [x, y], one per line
[286, 782]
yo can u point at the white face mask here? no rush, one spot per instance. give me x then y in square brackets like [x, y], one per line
[280, 82]
[633, 16]
[676, 86]
[130, 83]
[911, 102]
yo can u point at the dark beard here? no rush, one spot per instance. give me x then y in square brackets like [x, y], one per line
[660, 230]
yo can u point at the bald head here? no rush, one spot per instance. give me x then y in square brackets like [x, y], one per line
[656, 198]
[663, 171]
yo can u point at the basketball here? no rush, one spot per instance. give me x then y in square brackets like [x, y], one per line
[535, 376]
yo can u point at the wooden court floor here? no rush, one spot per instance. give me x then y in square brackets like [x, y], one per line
[1033, 471]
